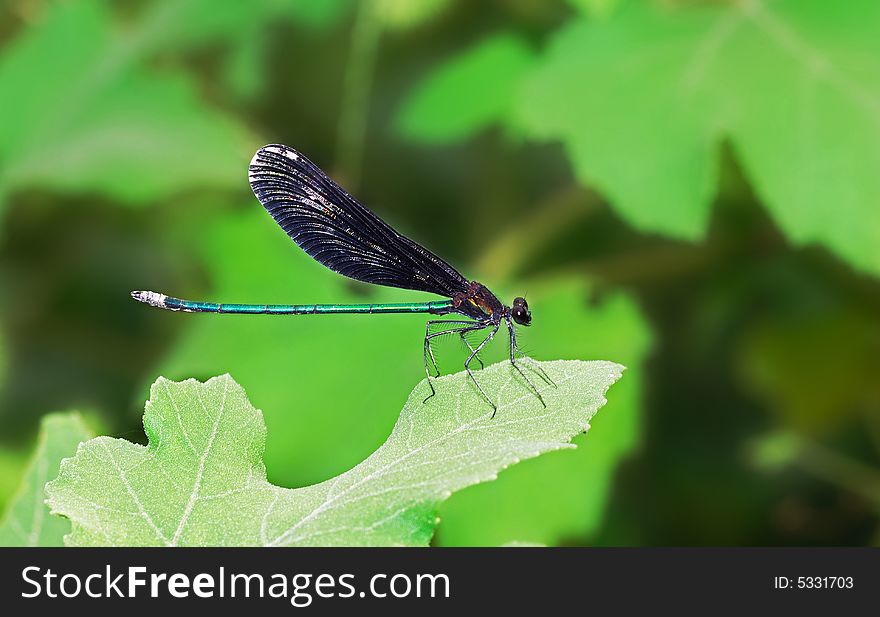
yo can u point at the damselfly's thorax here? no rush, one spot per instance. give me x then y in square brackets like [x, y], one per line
[478, 302]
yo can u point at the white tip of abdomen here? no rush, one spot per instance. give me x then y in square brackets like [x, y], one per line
[150, 297]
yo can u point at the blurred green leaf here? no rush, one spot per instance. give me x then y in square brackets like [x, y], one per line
[27, 521]
[189, 23]
[642, 101]
[468, 93]
[557, 498]
[354, 358]
[246, 68]
[596, 8]
[402, 14]
[245, 26]
[90, 116]
[201, 480]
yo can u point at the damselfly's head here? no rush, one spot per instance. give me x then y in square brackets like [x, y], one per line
[520, 312]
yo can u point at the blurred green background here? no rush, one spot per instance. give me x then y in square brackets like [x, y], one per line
[690, 188]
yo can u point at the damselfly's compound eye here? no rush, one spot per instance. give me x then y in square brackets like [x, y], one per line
[520, 312]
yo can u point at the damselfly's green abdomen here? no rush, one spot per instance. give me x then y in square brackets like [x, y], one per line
[158, 300]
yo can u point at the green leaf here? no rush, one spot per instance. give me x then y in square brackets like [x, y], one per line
[642, 101]
[201, 479]
[27, 521]
[468, 93]
[90, 116]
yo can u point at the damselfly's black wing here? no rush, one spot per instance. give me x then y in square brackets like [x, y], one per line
[337, 231]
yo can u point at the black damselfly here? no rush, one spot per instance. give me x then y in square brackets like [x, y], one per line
[338, 232]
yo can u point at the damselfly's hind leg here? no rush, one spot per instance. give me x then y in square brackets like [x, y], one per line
[513, 350]
[467, 366]
[428, 352]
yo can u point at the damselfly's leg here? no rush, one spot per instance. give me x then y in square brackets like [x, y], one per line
[476, 326]
[428, 336]
[471, 349]
[468, 368]
[513, 350]
[428, 352]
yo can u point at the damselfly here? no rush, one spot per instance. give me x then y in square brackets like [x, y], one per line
[340, 233]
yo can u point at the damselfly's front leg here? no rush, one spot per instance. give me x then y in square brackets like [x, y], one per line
[513, 350]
